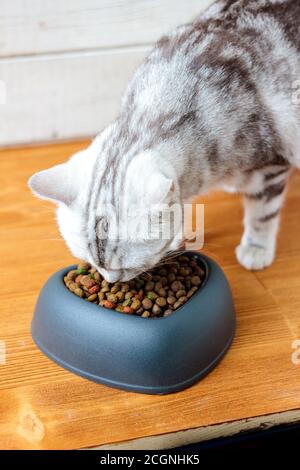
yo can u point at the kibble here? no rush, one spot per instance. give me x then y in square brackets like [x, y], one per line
[171, 300]
[105, 289]
[180, 293]
[156, 294]
[152, 295]
[171, 277]
[115, 288]
[94, 289]
[149, 286]
[162, 292]
[147, 303]
[125, 288]
[191, 292]
[146, 314]
[161, 301]
[120, 296]
[168, 312]
[84, 266]
[128, 310]
[156, 310]
[177, 304]
[88, 282]
[78, 279]
[72, 275]
[196, 281]
[112, 298]
[101, 296]
[176, 286]
[136, 303]
[108, 304]
[92, 297]
[79, 292]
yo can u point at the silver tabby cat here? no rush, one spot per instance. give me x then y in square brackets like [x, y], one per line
[212, 106]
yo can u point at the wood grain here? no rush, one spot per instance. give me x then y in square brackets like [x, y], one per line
[44, 407]
[65, 64]
[44, 26]
[63, 96]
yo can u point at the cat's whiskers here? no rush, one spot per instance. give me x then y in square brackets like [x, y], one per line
[146, 275]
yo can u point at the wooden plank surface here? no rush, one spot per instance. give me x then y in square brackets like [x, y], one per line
[65, 64]
[43, 26]
[63, 96]
[44, 407]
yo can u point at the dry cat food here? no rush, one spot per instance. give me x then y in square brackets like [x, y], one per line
[156, 293]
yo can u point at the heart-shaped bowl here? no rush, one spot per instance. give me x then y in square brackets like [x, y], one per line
[146, 355]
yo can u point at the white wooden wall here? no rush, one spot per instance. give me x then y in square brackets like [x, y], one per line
[65, 63]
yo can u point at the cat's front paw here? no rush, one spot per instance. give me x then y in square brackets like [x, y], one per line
[253, 257]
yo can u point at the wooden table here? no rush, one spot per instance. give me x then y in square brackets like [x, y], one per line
[42, 406]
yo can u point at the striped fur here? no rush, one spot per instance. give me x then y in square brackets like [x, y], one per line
[211, 106]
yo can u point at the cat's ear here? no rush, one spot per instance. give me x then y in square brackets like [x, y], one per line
[57, 184]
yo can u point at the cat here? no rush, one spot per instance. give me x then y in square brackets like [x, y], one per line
[210, 107]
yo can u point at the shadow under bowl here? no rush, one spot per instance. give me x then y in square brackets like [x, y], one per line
[155, 356]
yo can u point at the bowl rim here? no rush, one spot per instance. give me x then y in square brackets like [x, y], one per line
[104, 310]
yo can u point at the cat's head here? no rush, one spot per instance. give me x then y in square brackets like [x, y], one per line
[110, 216]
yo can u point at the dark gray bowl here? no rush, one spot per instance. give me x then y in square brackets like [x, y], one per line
[144, 355]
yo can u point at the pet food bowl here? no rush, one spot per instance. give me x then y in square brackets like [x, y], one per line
[155, 356]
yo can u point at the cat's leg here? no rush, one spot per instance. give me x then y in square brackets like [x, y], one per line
[263, 200]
